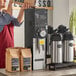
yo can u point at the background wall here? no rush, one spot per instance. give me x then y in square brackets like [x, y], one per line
[60, 12]
[18, 32]
[72, 5]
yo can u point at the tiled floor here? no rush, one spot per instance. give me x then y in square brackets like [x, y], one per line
[41, 73]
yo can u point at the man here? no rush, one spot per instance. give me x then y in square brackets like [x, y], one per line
[7, 23]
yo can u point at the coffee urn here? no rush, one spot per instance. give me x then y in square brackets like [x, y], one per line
[68, 55]
[56, 48]
[35, 35]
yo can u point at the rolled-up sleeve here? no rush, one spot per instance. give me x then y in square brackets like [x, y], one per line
[15, 22]
[6, 19]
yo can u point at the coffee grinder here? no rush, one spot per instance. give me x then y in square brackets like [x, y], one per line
[35, 35]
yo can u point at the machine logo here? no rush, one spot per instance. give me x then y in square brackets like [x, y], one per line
[70, 44]
[59, 45]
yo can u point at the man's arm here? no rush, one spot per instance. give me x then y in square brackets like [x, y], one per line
[21, 13]
[20, 16]
[9, 8]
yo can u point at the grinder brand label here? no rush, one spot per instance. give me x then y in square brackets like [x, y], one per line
[15, 64]
[59, 45]
[70, 44]
[27, 63]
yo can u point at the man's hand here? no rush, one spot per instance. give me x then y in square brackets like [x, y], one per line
[26, 6]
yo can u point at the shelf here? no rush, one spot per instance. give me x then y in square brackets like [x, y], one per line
[17, 8]
[49, 8]
[19, 3]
